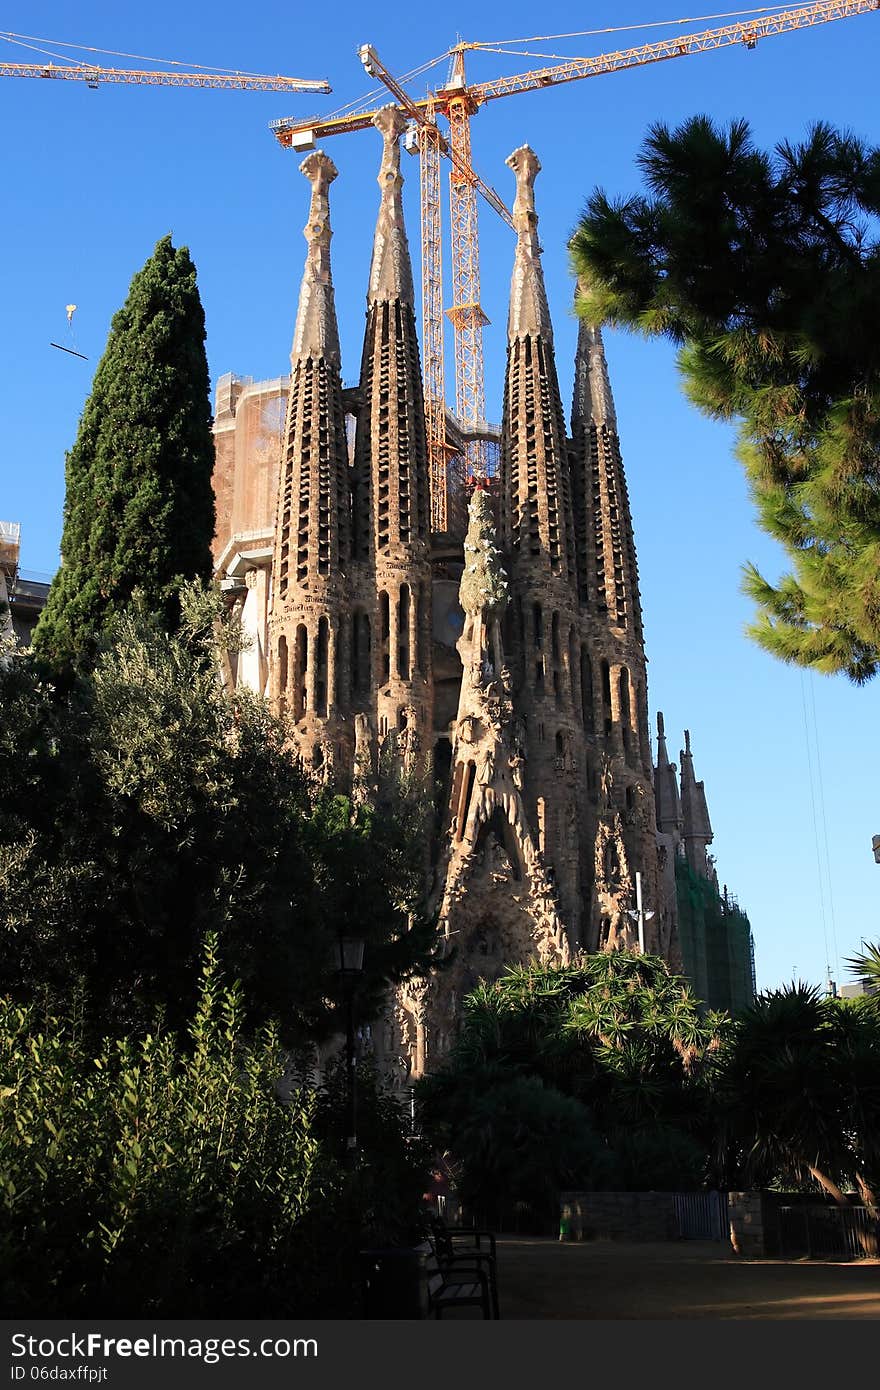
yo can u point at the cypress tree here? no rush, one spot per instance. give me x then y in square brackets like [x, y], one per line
[139, 508]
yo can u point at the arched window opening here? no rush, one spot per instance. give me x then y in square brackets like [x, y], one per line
[573, 669]
[282, 674]
[587, 712]
[300, 667]
[421, 617]
[625, 709]
[538, 621]
[321, 651]
[403, 653]
[465, 800]
[385, 631]
[606, 696]
[554, 636]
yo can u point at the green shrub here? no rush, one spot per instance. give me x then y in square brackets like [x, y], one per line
[145, 1178]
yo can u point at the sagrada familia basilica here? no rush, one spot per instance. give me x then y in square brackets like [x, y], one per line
[504, 654]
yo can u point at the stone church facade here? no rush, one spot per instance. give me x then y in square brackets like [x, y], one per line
[508, 657]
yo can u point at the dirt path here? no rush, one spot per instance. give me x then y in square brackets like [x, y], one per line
[541, 1278]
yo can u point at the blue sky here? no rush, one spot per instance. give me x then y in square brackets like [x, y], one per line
[92, 179]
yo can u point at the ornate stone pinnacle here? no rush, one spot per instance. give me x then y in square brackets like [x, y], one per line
[526, 165]
[316, 333]
[391, 123]
[528, 312]
[390, 271]
[320, 171]
[593, 401]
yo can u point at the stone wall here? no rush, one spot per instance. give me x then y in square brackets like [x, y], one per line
[650, 1216]
[618, 1215]
[748, 1218]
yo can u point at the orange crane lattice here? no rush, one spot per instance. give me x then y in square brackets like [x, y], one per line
[458, 101]
[81, 72]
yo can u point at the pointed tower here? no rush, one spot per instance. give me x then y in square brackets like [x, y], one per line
[391, 496]
[613, 669]
[669, 819]
[313, 534]
[538, 535]
[696, 827]
[608, 579]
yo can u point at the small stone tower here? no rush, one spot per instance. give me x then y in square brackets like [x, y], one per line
[696, 832]
[613, 677]
[312, 552]
[537, 529]
[391, 497]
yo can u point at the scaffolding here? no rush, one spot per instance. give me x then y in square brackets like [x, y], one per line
[10, 548]
[716, 942]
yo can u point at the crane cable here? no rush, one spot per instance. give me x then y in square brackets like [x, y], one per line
[20, 41]
[628, 28]
[374, 92]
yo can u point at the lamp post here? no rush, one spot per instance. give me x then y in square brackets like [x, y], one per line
[350, 964]
[640, 915]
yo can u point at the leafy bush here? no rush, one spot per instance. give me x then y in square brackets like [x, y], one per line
[142, 806]
[149, 1179]
[596, 1074]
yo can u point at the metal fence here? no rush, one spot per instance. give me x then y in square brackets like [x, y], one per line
[813, 1229]
[701, 1215]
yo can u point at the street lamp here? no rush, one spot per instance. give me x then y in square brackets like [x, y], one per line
[350, 966]
[640, 915]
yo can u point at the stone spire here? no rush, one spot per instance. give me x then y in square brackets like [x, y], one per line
[390, 269]
[696, 827]
[313, 537]
[535, 484]
[608, 577]
[391, 501]
[593, 402]
[529, 312]
[316, 334]
[666, 795]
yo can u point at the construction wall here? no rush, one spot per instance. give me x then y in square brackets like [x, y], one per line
[248, 435]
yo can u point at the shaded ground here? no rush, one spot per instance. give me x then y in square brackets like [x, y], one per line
[545, 1278]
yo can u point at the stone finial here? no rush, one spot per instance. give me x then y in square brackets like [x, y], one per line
[662, 754]
[529, 312]
[695, 812]
[593, 402]
[390, 270]
[316, 333]
[526, 166]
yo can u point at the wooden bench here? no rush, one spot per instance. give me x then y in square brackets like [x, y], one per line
[463, 1243]
[455, 1282]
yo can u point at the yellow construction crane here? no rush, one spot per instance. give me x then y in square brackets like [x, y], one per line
[458, 101]
[92, 74]
[82, 72]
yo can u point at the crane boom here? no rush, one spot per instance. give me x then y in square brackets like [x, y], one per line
[63, 72]
[458, 101]
[678, 47]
